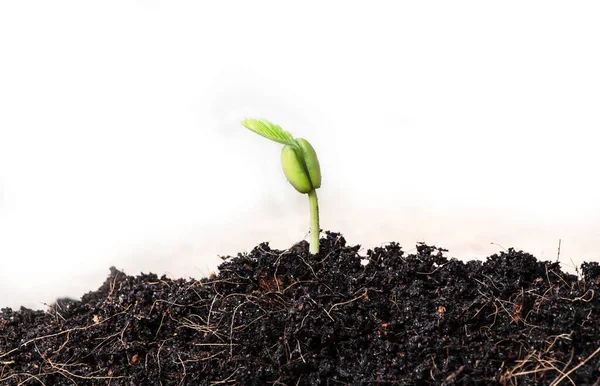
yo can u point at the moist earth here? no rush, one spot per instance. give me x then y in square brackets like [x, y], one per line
[285, 317]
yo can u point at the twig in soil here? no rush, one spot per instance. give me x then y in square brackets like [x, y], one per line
[162, 318]
[104, 340]
[435, 270]
[205, 329]
[184, 371]
[566, 375]
[123, 334]
[560, 277]
[558, 254]
[277, 262]
[294, 284]
[582, 297]
[64, 343]
[160, 347]
[63, 332]
[344, 303]
[60, 368]
[537, 363]
[311, 268]
[53, 309]
[31, 376]
[522, 368]
[300, 351]
[231, 328]
[210, 311]
[499, 246]
[209, 357]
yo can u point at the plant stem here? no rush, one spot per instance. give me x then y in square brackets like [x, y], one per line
[314, 222]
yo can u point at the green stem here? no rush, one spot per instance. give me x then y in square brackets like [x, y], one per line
[314, 222]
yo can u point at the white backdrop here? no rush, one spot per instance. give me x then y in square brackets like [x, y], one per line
[459, 124]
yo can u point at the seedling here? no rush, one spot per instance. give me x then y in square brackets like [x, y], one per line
[300, 166]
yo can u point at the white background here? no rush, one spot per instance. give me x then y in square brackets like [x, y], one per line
[460, 124]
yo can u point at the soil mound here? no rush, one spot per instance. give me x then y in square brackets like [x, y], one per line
[275, 317]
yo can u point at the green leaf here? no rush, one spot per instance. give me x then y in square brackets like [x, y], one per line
[269, 130]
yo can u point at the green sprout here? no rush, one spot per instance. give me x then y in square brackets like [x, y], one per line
[300, 166]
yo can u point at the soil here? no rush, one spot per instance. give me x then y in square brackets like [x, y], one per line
[275, 317]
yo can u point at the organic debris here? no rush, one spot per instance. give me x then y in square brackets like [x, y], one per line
[275, 317]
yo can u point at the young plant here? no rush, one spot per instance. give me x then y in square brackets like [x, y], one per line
[300, 166]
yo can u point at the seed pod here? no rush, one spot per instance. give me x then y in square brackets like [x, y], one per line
[312, 162]
[301, 166]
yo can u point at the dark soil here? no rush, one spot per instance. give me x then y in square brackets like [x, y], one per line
[288, 318]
